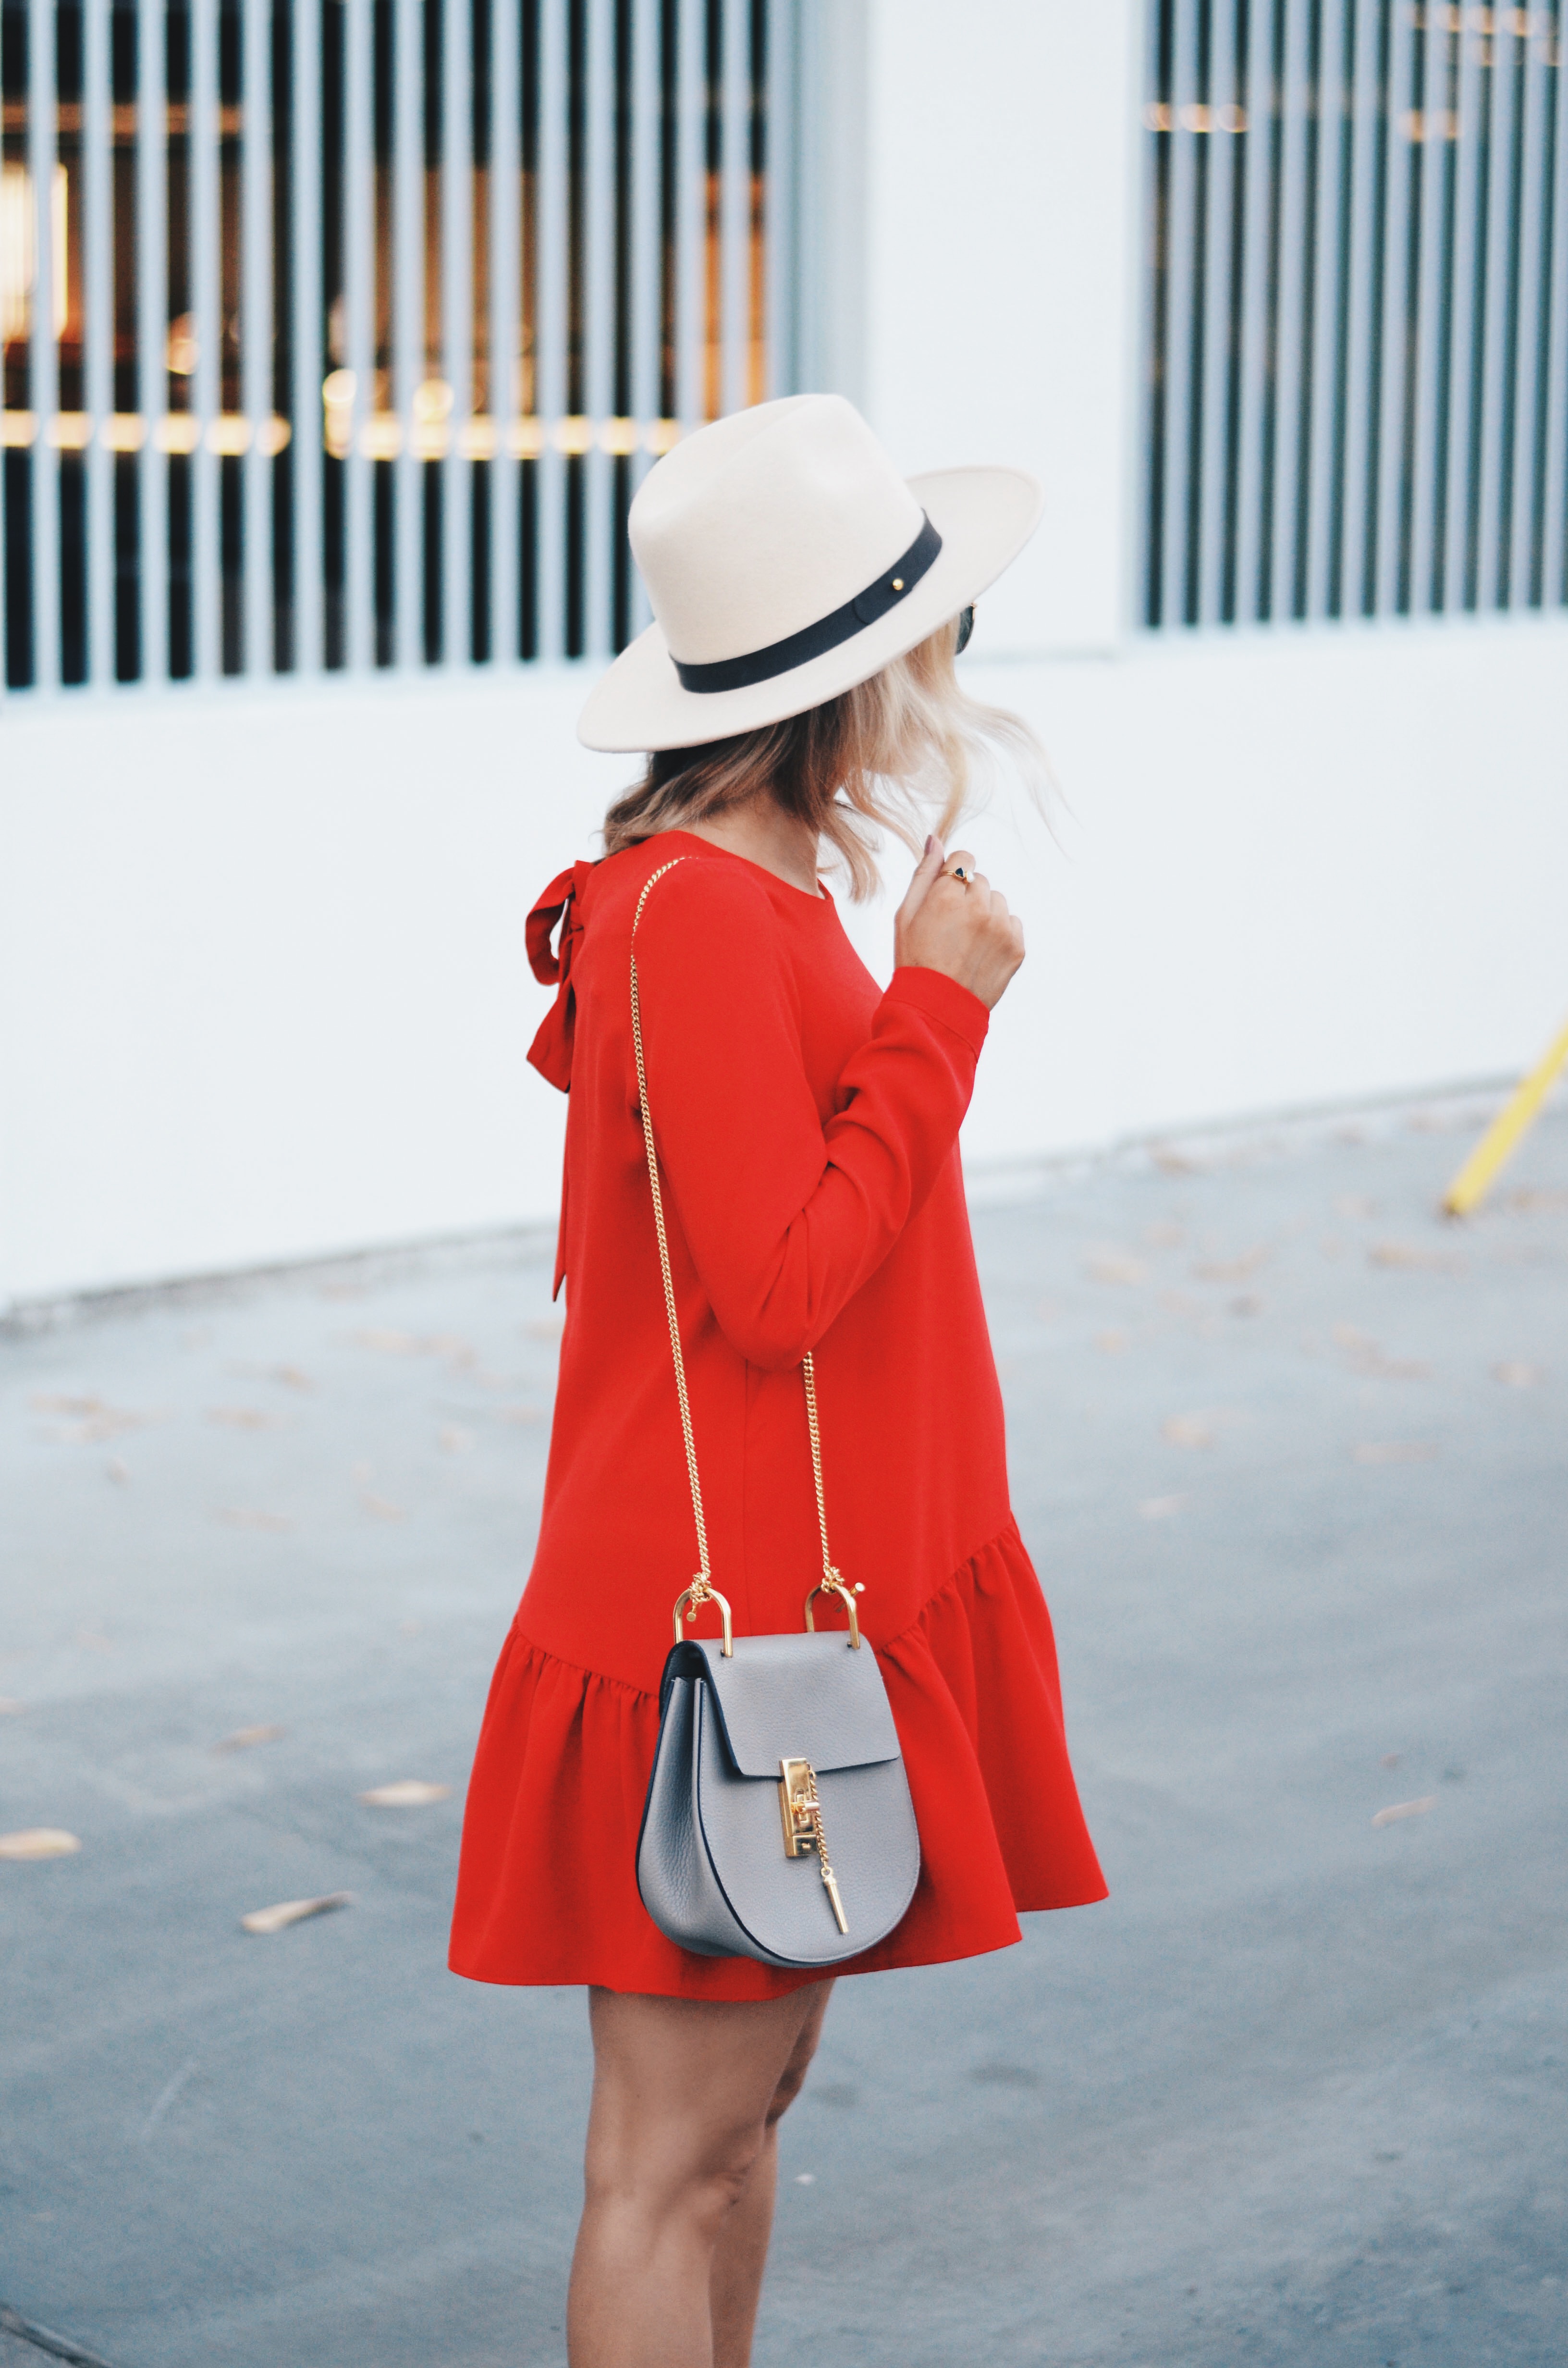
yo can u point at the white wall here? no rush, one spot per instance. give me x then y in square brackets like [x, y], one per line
[1001, 262]
[263, 990]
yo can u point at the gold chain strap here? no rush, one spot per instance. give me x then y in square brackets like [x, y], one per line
[809, 1375]
[702, 1590]
[702, 1585]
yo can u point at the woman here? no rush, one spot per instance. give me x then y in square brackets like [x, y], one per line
[798, 685]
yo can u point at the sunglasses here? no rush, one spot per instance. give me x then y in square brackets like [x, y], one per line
[966, 627]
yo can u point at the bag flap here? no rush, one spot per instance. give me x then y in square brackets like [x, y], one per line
[798, 1698]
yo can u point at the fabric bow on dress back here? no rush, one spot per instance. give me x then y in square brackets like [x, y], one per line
[562, 902]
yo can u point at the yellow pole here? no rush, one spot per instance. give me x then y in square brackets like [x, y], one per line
[1470, 1186]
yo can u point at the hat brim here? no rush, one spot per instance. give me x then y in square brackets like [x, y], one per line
[984, 518]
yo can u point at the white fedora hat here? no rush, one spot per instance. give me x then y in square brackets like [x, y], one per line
[786, 560]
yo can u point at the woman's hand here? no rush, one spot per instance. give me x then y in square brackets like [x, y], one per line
[961, 928]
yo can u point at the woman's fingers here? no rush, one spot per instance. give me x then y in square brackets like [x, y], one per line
[927, 871]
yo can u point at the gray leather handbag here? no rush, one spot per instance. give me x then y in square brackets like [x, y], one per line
[773, 1751]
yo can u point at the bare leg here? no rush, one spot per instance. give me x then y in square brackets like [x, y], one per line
[741, 2255]
[683, 2090]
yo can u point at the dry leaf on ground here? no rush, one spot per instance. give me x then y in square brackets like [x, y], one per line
[1535, 1196]
[1234, 1269]
[245, 1417]
[1518, 1376]
[1110, 1344]
[448, 1345]
[290, 1376]
[1410, 1255]
[293, 1911]
[244, 1739]
[380, 1509]
[1395, 1450]
[1406, 1809]
[252, 1517]
[1187, 1430]
[408, 1793]
[93, 1419]
[1365, 1356]
[1115, 1266]
[39, 1842]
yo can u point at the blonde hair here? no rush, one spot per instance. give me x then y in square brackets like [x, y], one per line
[899, 753]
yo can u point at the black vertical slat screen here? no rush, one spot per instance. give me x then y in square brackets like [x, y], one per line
[1357, 310]
[396, 504]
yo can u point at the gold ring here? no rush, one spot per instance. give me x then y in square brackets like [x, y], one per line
[958, 872]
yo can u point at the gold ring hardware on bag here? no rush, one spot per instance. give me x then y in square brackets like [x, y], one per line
[800, 1808]
[696, 1596]
[833, 1585]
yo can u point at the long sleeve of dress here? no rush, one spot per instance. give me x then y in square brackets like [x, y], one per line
[787, 1207]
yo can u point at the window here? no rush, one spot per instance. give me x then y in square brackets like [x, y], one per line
[364, 318]
[1358, 310]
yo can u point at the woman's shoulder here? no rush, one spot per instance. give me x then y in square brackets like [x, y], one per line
[674, 884]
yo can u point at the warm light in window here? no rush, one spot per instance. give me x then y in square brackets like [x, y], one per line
[18, 250]
[184, 353]
[433, 400]
[380, 438]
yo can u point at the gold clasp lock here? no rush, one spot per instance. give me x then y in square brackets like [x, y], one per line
[798, 1806]
[696, 1596]
[832, 1584]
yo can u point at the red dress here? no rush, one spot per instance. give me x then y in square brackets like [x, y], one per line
[807, 1127]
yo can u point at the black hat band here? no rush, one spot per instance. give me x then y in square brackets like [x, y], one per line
[868, 607]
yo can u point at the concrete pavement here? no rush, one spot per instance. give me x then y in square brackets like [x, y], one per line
[1290, 1454]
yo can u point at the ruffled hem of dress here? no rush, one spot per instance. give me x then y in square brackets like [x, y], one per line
[547, 1888]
